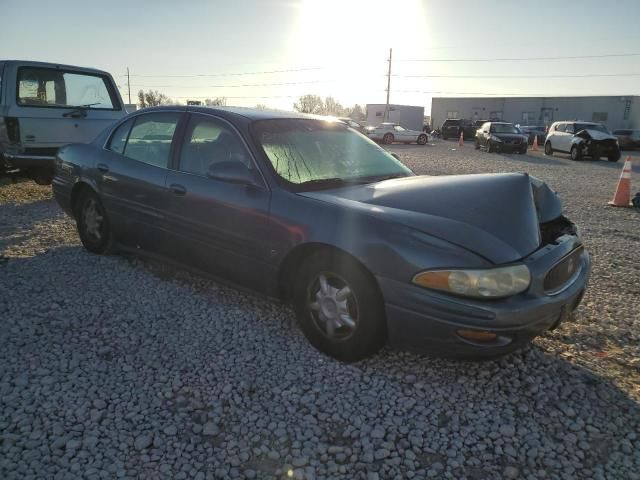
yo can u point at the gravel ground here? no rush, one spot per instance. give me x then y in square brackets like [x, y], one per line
[114, 368]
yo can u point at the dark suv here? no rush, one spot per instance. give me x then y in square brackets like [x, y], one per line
[451, 128]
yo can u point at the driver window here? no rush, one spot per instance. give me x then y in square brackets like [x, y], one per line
[398, 128]
[208, 141]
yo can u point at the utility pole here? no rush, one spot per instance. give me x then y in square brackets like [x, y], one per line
[386, 108]
[129, 86]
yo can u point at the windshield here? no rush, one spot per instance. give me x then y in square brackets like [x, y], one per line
[304, 151]
[503, 128]
[591, 126]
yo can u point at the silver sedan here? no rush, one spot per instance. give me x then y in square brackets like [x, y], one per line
[388, 133]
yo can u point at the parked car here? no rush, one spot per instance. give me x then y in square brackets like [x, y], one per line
[500, 137]
[533, 131]
[389, 133]
[44, 106]
[627, 139]
[310, 212]
[478, 123]
[451, 128]
[353, 124]
[582, 139]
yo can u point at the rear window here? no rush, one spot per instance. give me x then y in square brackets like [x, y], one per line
[50, 87]
[622, 132]
[448, 123]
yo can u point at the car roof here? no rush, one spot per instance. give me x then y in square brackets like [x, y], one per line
[31, 63]
[250, 113]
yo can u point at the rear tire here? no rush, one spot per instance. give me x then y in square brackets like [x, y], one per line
[387, 139]
[363, 332]
[93, 224]
[422, 139]
[548, 150]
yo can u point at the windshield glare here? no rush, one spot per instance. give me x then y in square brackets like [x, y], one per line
[307, 150]
[503, 128]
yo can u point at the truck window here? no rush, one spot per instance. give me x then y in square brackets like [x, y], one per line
[50, 87]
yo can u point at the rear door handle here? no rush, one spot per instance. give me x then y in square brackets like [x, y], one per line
[102, 167]
[177, 189]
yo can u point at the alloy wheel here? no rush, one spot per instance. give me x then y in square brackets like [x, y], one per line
[92, 220]
[333, 306]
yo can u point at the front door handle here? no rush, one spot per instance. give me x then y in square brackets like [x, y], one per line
[102, 167]
[177, 189]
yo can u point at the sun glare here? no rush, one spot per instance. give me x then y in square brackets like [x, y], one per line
[352, 39]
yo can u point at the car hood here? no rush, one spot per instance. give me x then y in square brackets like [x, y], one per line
[597, 134]
[496, 216]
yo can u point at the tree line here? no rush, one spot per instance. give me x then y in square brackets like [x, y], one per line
[306, 104]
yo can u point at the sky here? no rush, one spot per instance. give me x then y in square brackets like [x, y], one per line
[273, 51]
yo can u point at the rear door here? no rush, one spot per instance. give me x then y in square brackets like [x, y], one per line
[132, 174]
[216, 225]
[57, 106]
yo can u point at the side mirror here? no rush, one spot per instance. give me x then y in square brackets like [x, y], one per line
[232, 172]
[395, 155]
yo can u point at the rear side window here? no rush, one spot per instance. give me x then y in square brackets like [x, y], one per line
[150, 138]
[119, 137]
[50, 87]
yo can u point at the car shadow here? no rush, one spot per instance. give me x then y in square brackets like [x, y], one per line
[538, 160]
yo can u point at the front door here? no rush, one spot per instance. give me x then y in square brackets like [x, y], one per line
[217, 225]
[132, 173]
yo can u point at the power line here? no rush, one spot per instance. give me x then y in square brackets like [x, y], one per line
[579, 75]
[519, 59]
[290, 70]
[236, 85]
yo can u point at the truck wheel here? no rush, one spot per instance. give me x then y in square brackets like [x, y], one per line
[387, 139]
[339, 307]
[548, 150]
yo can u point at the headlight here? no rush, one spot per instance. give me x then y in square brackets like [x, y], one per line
[491, 283]
[494, 138]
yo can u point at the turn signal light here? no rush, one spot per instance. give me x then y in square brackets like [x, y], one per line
[477, 336]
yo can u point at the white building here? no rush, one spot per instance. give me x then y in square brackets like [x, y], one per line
[613, 111]
[406, 115]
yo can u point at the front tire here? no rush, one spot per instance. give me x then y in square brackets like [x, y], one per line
[614, 157]
[339, 307]
[489, 147]
[576, 153]
[476, 145]
[93, 224]
[548, 150]
[422, 139]
[387, 139]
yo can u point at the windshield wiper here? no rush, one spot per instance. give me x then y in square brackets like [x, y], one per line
[328, 181]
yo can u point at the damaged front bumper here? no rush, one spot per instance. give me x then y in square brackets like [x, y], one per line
[430, 322]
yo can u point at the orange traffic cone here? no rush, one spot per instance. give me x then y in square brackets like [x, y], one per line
[622, 197]
[461, 140]
[535, 144]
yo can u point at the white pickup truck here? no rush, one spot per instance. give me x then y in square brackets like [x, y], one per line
[44, 106]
